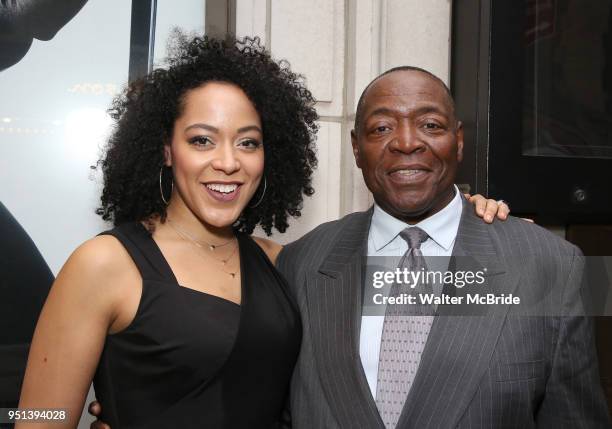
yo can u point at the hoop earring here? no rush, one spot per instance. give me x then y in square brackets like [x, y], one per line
[262, 194]
[161, 189]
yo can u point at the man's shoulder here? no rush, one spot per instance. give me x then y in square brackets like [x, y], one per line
[531, 239]
[320, 240]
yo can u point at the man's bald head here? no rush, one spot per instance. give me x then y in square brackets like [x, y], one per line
[360, 103]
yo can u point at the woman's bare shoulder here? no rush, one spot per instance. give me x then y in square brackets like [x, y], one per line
[99, 262]
[103, 254]
[271, 248]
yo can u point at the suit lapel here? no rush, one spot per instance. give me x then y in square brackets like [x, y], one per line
[459, 348]
[334, 306]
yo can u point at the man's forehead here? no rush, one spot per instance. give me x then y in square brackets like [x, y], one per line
[407, 83]
[405, 90]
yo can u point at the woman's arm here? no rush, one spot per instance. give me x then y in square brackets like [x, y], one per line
[70, 334]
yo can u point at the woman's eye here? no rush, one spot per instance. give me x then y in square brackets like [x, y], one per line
[200, 141]
[250, 143]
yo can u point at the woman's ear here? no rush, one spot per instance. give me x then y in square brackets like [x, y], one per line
[167, 156]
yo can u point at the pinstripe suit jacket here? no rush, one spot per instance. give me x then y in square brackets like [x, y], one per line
[494, 371]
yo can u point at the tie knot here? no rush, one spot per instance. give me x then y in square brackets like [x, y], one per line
[414, 236]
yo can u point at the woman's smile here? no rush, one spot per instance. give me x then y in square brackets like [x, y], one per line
[223, 191]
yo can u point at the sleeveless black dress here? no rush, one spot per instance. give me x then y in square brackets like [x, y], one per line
[194, 360]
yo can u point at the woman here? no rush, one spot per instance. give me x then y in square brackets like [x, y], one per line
[178, 314]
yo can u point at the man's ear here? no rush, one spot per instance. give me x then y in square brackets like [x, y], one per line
[167, 156]
[355, 148]
[459, 137]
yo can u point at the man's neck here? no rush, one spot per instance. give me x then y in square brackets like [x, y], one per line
[414, 218]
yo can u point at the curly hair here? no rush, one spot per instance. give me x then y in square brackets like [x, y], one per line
[146, 112]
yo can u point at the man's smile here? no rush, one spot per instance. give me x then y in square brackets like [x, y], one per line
[408, 174]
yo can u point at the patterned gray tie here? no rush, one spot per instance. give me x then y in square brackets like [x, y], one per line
[403, 337]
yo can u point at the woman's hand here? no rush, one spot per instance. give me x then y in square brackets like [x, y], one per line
[95, 409]
[488, 209]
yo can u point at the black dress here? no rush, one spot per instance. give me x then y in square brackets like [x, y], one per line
[194, 360]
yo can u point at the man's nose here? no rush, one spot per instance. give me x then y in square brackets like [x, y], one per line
[225, 159]
[407, 139]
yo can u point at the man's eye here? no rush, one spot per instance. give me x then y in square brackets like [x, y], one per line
[200, 141]
[381, 129]
[432, 126]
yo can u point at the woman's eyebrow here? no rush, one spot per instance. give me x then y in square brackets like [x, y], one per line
[216, 130]
[249, 128]
[203, 126]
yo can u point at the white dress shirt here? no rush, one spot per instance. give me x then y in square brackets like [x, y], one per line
[384, 240]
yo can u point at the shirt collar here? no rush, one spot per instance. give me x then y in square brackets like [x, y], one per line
[441, 227]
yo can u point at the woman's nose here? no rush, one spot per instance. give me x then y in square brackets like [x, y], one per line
[225, 159]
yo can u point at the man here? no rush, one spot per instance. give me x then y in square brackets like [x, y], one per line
[500, 370]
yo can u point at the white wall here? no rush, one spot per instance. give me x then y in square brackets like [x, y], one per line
[340, 46]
